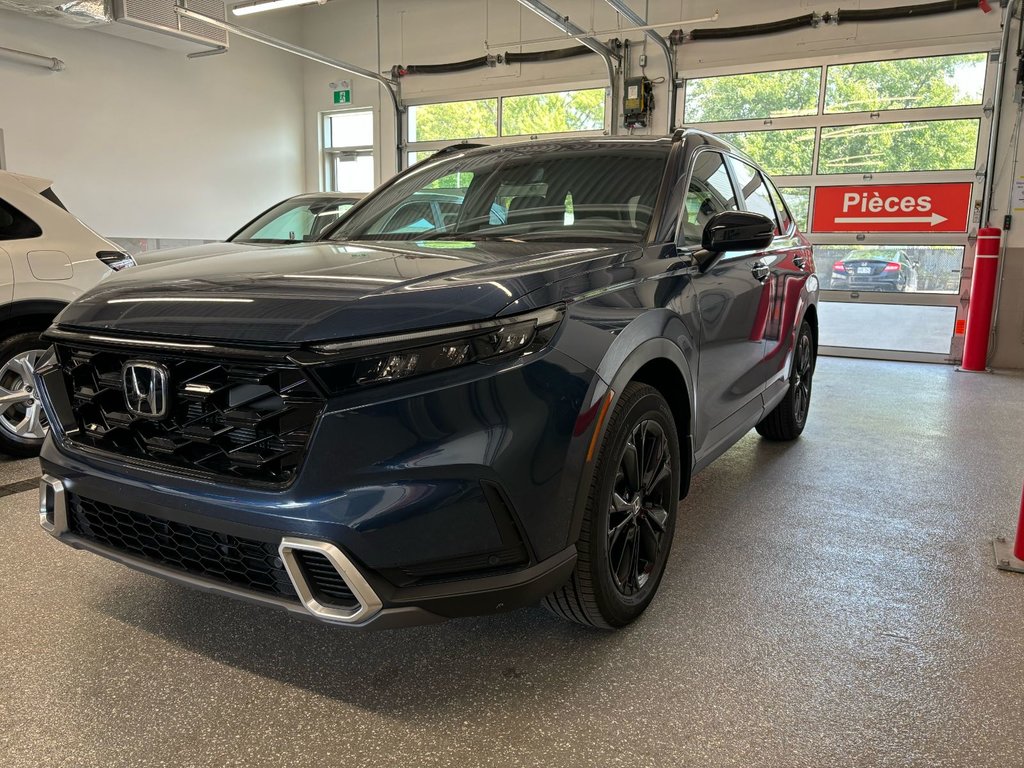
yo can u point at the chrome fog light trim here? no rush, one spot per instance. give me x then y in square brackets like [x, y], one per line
[369, 603]
[53, 509]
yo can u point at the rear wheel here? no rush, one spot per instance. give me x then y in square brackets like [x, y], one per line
[786, 421]
[630, 515]
[22, 422]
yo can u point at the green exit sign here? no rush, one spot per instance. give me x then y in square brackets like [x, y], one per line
[343, 97]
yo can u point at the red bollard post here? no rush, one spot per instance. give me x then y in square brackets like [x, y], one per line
[983, 293]
[1018, 548]
[1008, 559]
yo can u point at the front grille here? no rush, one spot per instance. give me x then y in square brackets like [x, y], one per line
[244, 563]
[324, 580]
[238, 420]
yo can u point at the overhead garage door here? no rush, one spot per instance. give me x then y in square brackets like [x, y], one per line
[880, 161]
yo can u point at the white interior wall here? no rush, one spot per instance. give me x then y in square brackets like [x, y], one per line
[180, 148]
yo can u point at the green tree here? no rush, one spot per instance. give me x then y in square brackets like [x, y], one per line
[780, 153]
[752, 96]
[521, 116]
[891, 147]
[553, 112]
[935, 81]
[872, 86]
[454, 120]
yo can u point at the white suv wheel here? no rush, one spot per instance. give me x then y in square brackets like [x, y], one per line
[21, 414]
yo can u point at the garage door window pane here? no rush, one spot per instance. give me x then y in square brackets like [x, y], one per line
[799, 201]
[562, 112]
[894, 268]
[893, 327]
[938, 145]
[757, 95]
[934, 81]
[780, 153]
[454, 120]
[350, 129]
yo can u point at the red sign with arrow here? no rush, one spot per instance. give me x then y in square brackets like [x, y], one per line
[893, 208]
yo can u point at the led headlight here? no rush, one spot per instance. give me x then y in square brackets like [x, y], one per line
[376, 361]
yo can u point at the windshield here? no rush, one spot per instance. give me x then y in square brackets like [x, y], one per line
[592, 191]
[295, 221]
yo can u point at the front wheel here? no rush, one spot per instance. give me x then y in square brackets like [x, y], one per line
[787, 420]
[630, 515]
[23, 425]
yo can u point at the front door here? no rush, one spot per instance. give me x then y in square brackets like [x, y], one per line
[734, 305]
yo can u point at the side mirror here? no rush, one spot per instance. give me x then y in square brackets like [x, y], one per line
[737, 231]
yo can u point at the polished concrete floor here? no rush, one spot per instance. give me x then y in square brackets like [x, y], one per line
[829, 602]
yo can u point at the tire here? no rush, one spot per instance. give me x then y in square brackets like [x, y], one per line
[22, 423]
[787, 420]
[634, 528]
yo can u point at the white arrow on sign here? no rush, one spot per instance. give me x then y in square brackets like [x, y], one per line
[932, 220]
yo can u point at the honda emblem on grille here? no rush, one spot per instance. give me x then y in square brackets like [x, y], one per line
[146, 388]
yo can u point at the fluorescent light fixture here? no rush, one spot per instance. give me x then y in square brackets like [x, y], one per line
[270, 5]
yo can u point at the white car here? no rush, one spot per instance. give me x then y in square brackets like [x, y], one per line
[48, 258]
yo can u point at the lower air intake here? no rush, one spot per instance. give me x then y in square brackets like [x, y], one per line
[243, 563]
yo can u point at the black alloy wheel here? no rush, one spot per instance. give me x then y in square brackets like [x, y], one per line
[800, 381]
[636, 512]
[787, 420]
[630, 515]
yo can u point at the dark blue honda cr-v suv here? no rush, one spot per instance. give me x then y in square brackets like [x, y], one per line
[489, 385]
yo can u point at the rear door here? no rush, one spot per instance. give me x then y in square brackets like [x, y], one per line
[733, 305]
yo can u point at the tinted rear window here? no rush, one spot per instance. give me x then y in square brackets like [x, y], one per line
[14, 225]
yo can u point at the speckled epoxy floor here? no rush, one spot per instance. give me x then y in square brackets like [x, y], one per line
[829, 602]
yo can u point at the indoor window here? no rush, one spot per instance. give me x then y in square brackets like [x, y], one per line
[348, 151]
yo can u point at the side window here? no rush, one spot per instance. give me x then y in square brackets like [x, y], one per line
[710, 192]
[14, 225]
[754, 192]
[785, 219]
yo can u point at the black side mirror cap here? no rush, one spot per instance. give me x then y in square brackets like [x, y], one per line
[737, 231]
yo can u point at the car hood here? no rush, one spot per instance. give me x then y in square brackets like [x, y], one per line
[329, 291]
[189, 251]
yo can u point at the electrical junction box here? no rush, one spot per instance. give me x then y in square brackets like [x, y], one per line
[638, 102]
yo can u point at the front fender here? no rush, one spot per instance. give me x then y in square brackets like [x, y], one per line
[649, 337]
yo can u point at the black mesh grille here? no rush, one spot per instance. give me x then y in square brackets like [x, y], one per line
[244, 563]
[324, 580]
[242, 420]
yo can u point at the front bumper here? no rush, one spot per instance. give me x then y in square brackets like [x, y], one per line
[413, 607]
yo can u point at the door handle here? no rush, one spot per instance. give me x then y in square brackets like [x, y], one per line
[800, 262]
[760, 271]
